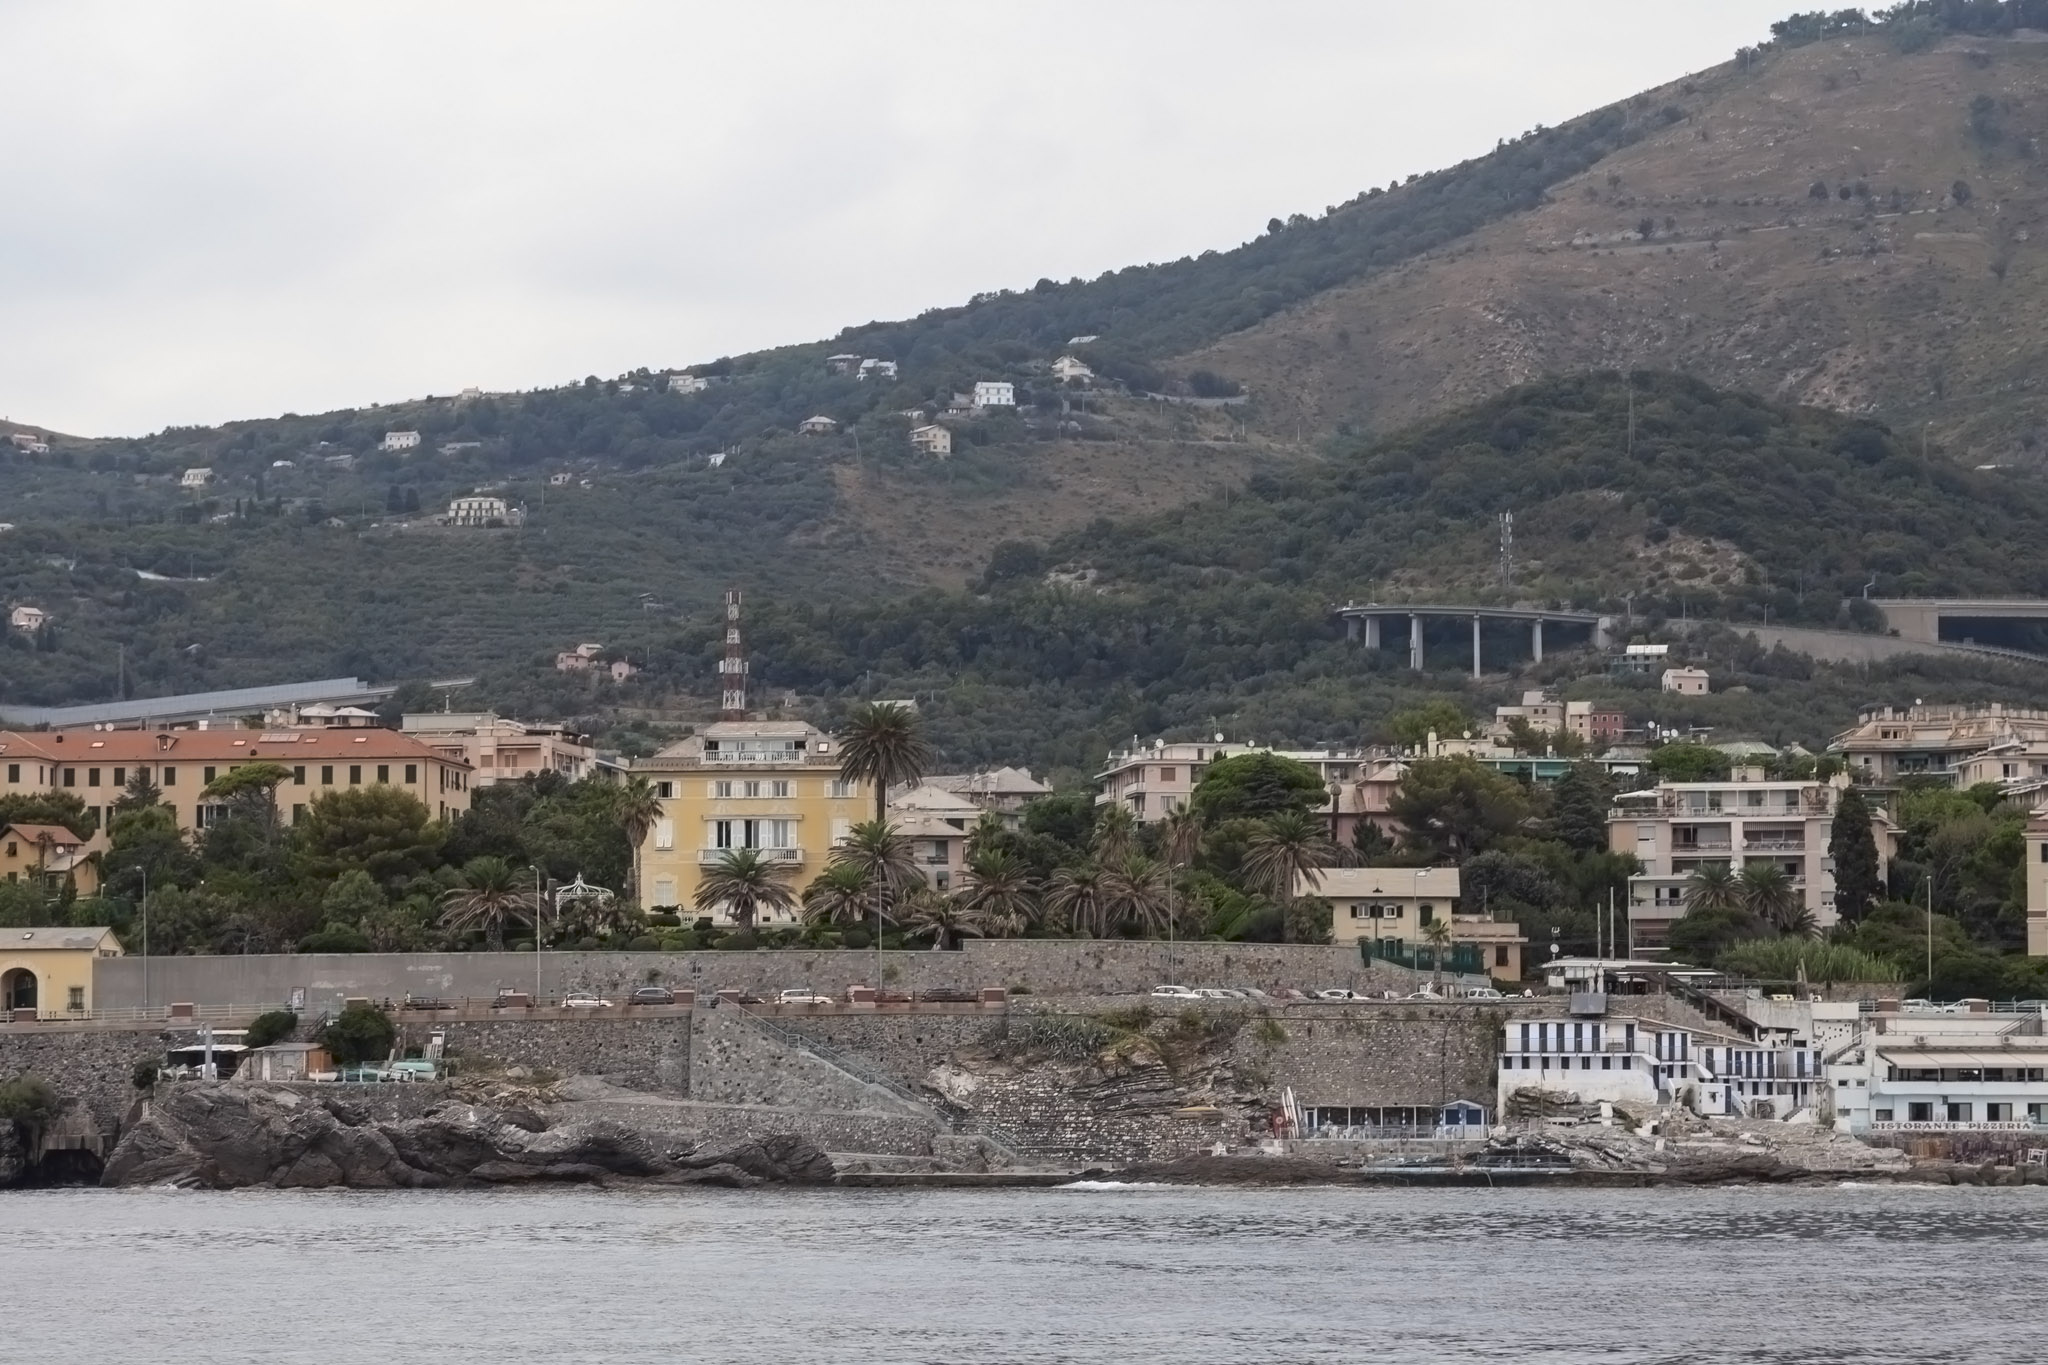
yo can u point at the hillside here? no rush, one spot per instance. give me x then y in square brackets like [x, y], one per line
[1840, 223]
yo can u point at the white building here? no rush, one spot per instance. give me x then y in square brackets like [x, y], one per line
[1690, 682]
[989, 393]
[560, 480]
[482, 510]
[1070, 370]
[931, 440]
[1642, 1063]
[579, 659]
[399, 440]
[687, 383]
[1923, 1069]
[30, 619]
[195, 478]
[843, 363]
[877, 369]
[1676, 828]
[816, 426]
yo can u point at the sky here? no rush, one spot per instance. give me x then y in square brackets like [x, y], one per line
[213, 210]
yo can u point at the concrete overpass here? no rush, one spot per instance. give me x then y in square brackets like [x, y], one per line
[1923, 618]
[1367, 620]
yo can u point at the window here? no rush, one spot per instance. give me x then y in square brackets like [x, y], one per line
[120, 777]
[384, 772]
[1882, 1115]
[14, 775]
[298, 812]
[1962, 1112]
[355, 774]
[74, 999]
[665, 791]
[779, 787]
[750, 789]
[209, 774]
[664, 835]
[1500, 955]
[170, 776]
[13, 849]
[71, 777]
[721, 790]
[1426, 913]
[842, 830]
[1920, 1111]
[664, 890]
[722, 833]
[1166, 774]
[92, 777]
[299, 775]
[326, 774]
[839, 789]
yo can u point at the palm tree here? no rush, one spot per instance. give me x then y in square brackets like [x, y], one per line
[491, 896]
[882, 855]
[637, 810]
[1437, 934]
[940, 917]
[1138, 889]
[1768, 894]
[1115, 827]
[1181, 840]
[880, 743]
[987, 833]
[744, 883]
[1079, 896]
[1290, 851]
[1712, 888]
[1001, 890]
[837, 896]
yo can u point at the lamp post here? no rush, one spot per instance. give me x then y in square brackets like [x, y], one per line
[538, 901]
[145, 941]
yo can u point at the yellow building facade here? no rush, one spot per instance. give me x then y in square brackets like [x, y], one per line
[774, 786]
[49, 971]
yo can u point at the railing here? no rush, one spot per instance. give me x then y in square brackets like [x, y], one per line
[708, 856]
[1773, 845]
[1702, 846]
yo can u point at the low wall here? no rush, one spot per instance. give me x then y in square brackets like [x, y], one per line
[636, 1052]
[734, 1061]
[1038, 966]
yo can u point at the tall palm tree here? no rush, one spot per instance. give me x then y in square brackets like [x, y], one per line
[987, 833]
[1437, 934]
[1181, 840]
[1712, 888]
[939, 917]
[743, 883]
[1290, 851]
[637, 809]
[490, 897]
[1001, 890]
[1115, 828]
[1138, 890]
[838, 896]
[1078, 896]
[880, 743]
[1769, 894]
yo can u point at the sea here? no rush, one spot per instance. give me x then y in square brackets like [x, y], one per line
[1083, 1275]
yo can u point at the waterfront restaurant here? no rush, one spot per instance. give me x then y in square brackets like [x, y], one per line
[1915, 1070]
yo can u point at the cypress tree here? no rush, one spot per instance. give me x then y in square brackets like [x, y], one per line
[1854, 850]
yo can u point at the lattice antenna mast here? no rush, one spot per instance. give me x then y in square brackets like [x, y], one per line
[1507, 549]
[732, 669]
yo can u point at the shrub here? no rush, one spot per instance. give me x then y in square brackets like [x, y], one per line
[143, 1077]
[335, 938]
[1780, 959]
[362, 1033]
[272, 1027]
[26, 1099]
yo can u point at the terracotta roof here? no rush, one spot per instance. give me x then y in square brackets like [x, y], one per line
[62, 937]
[229, 746]
[57, 834]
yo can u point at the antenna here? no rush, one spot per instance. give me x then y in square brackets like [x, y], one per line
[732, 668]
[1507, 549]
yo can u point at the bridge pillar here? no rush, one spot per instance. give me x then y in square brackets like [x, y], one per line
[1415, 642]
[1372, 632]
[1475, 646]
[1351, 627]
[1536, 639]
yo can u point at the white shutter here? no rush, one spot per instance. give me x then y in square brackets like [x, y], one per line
[664, 836]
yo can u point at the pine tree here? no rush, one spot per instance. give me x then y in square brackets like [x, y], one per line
[1854, 850]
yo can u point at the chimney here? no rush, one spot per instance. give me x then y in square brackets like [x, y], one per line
[732, 669]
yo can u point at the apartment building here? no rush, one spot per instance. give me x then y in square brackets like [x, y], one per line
[480, 509]
[1676, 828]
[1157, 781]
[774, 786]
[96, 765]
[501, 750]
[1003, 792]
[1398, 904]
[1888, 743]
[1912, 1070]
[1646, 1062]
[1584, 720]
[938, 824]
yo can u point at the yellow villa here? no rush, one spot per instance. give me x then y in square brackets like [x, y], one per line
[774, 786]
[49, 971]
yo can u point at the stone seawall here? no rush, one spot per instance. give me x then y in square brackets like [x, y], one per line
[735, 1061]
[637, 1052]
[1044, 967]
[719, 1125]
[93, 1065]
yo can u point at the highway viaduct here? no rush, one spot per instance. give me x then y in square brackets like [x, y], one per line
[1367, 621]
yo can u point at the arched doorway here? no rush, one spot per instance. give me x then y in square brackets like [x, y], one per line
[18, 989]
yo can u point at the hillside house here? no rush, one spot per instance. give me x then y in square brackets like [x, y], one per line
[991, 393]
[931, 440]
[483, 510]
[687, 383]
[28, 619]
[1082, 340]
[560, 480]
[195, 478]
[1687, 682]
[399, 440]
[817, 426]
[877, 369]
[50, 854]
[502, 750]
[621, 670]
[1069, 370]
[843, 363]
[457, 447]
[579, 659]
[22, 439]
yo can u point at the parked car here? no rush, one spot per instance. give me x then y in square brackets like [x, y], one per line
[1484, 993]
[584, 1000]
[1423, 995]
[1338, 995]
[652, 995]
[1253, 993]
[1218, 993]
[1175, 993]
[804, 996]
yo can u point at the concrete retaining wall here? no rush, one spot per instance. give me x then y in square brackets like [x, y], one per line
[94, 1065]
[645, 1052]
[1038, 966]
[735, 1061]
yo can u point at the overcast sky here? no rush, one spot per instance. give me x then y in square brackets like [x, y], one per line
[218, 210]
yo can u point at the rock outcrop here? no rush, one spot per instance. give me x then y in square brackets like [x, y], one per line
[228, 1137]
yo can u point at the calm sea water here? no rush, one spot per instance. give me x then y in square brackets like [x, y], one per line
[1084, 1276]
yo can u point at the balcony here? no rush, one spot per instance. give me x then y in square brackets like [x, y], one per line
[707, 856]
[1774, 843]
[1721, 845]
